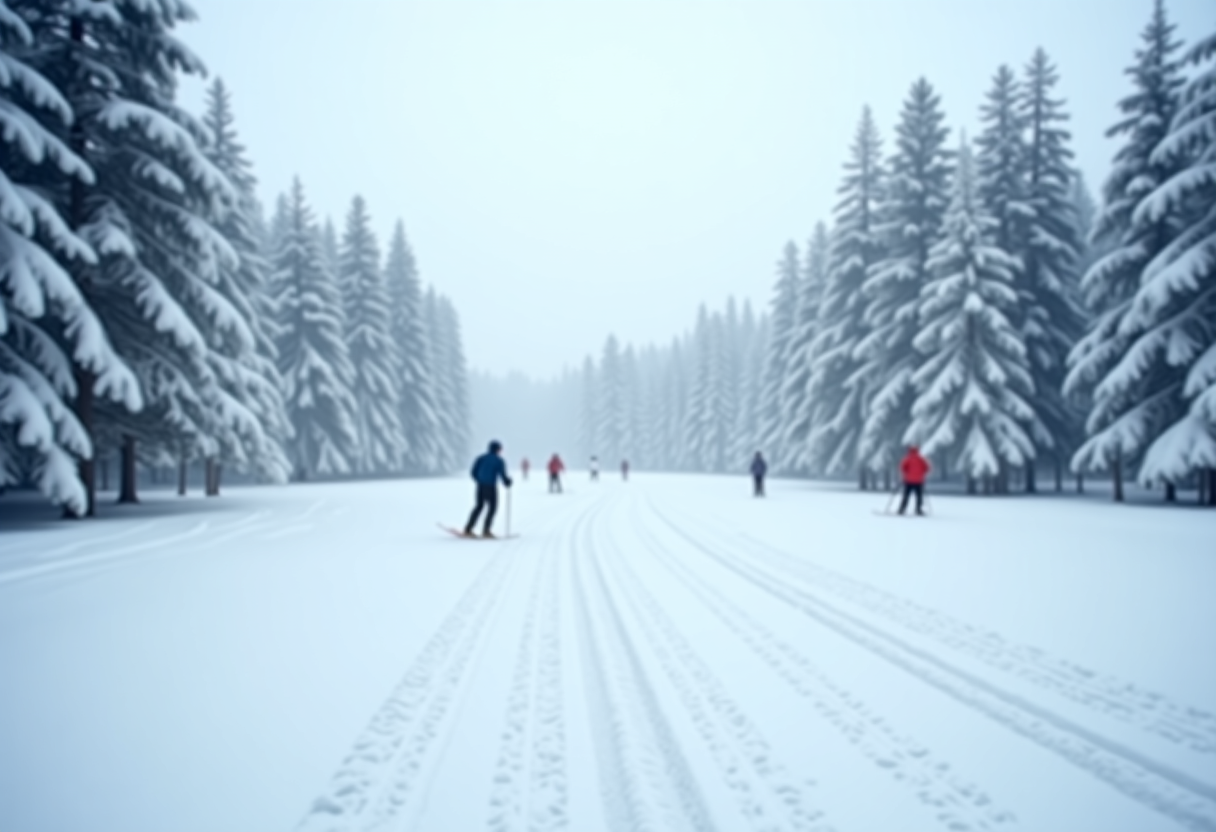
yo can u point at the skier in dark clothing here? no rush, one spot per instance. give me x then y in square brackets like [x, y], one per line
[487, 470]
[524, 466]
[913, 469]
[555, 474]
[759, 469]
[625, 470]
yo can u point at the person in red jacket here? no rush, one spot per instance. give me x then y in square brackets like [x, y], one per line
[913, 469]
[555, 474]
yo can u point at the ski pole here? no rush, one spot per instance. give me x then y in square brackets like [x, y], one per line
[891, 499]
[508, 512]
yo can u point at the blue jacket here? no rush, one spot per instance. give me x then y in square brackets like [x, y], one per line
[488, 468]
[759, 467]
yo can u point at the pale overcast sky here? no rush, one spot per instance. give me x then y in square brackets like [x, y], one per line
[569, 169]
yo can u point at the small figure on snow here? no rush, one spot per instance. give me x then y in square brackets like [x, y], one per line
[913, 468]
[524, 465]
[595, 469]
[759, 469]
[555, 474]
[488, 469]
[625, 470]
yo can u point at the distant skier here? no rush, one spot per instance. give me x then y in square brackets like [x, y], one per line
[595, 469]
[555, 474]
[487, 470]
[625, 470]
[759, 469]
[913, 469]
[524, 465]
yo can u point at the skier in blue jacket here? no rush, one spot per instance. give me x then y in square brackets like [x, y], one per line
[488, 469]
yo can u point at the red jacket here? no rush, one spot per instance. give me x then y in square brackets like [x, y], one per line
[914, 467]
[555, 465]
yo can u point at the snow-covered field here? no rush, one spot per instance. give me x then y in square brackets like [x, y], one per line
[665, 654]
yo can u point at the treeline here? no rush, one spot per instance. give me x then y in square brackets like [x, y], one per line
[971, 298]
[148, 310]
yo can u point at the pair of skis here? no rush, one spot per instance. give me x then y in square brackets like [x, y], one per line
[459, 533]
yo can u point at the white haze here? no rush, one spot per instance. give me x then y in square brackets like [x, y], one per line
[570, 169]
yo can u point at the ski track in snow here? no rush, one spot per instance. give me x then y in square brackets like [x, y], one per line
[769, 799]
[530, 789]
[956, 803]
[201, 536]
[647, 780]
[374, 782]
[1157, 785]
[1183, 725]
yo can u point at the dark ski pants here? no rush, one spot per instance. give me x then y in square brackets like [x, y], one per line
[555, 483]
[758, 482]
[487, 498]
[910, 488]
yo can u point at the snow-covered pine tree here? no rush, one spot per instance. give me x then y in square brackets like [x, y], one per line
[144, 214]
[974, 385]
[838, 386]
[313, 358]
[781, 329]
[674, 443]
[450, 374]
[244, 356]
[1049, 314]
[631, 386]
[1174, 307]
[47, 330]
[383, 444]
[419, 418]
[706, 418]
[613, 412]
[910, 218]
[731, 347]
[589, 410]
[1000, 162]
[751, 371]
[330, 253]
[1128, 409]
[789, 453]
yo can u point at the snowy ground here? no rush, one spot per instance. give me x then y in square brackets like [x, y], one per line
[665, 654]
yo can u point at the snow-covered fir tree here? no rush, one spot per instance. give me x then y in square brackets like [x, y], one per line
[1173, 311]
[706, 421]
[1049, 314]
[789, 451]
[1000, 162]
[419, 417]
[145, 213]
[50, 340]
[751, 374]
[974, 385]
[910, 217]
[383, 443]
[243, 355]
[781, 330]
[313, 357]
[1130, 403]
[613, 410]
[448, 369]
[839, 388]
[589, 410]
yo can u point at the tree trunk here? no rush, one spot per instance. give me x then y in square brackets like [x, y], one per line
[970, 484]
[886, 479]
[1116, 476]
[1059, 474]
[1080, 483]
[104, 465]
[1212, 486]
[126, 486]
[1171, 493]
[1031, 484]
[215, 486]
[1201, 487]
[181, 476]
[861, 478]
[212, 477]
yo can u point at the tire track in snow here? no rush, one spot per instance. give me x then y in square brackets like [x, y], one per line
[768, 798]
[956, 803]
[1157, 785]
[647, 782]
[1183, 725]
[374, 784]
